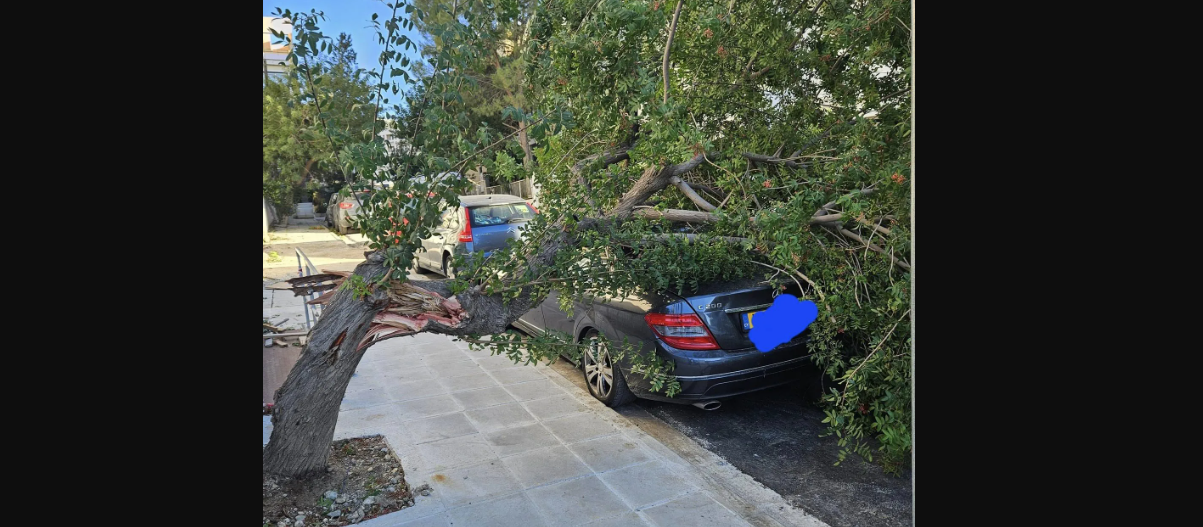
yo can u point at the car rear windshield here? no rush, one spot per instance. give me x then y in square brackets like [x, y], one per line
[487, 215]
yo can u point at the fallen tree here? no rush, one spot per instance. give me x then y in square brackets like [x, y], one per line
[620, 127]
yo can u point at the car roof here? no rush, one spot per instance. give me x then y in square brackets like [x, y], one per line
[489, 199]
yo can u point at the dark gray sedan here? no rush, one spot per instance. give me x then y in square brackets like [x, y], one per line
[705, 334]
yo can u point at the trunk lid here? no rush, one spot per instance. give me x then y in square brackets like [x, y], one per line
[723, 307]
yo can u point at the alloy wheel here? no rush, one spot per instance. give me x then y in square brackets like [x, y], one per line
[599, 371]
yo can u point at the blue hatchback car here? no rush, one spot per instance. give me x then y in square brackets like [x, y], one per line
[478, 226]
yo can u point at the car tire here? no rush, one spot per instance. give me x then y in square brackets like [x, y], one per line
[448, 269]
[614, 393]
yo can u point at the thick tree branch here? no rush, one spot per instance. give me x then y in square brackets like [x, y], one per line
[688, 216]
[689, 193]
[651, 182]
[672, 30]
[693, 216]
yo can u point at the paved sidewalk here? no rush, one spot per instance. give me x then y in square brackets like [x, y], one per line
[283, 309]
[506, 444]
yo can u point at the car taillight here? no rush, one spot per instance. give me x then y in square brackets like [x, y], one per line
[346, 205]
[532, 207]
[466, 234]
[681, 331]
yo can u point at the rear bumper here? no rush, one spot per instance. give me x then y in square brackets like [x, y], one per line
[706, 375]
[718, 385]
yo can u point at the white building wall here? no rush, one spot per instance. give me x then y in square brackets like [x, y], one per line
[275, 53]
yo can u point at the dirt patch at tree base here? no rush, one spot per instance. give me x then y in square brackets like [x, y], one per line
[364, 479]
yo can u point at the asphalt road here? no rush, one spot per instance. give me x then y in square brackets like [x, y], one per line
[773, 436]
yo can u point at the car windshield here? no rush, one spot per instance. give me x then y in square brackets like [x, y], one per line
[500, 214]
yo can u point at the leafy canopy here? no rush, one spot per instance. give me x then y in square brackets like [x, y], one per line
[790, 119]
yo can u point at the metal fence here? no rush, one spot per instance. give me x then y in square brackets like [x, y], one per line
[521, 188]
[306, 268]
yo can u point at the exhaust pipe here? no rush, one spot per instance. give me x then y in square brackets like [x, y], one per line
[708, 405]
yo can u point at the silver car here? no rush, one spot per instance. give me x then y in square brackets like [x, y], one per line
[340, 211]
[477, 227]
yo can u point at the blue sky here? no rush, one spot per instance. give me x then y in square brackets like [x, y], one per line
[353, 17]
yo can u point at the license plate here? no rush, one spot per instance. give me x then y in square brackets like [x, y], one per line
[747, 320]
[487, 253]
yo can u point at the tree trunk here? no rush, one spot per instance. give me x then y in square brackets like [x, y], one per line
[306, 408]
[528, 159]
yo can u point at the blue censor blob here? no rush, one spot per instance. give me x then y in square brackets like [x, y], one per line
[783, 321]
